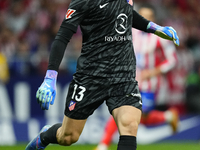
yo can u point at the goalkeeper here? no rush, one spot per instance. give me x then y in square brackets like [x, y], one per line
[105, 71]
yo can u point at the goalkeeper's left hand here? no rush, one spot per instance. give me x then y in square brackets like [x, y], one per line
[164, 32]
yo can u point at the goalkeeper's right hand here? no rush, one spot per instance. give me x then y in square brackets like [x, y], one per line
[46, 93]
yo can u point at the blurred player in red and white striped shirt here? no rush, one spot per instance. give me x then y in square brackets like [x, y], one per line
[155, 57]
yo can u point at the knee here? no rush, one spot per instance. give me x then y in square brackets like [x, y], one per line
[129, 125]
[68, 139]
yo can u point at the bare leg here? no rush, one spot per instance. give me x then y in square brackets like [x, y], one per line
[70, 131]
[127, 119]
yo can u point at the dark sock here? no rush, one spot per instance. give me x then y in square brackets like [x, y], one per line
[127, 143]
[50, 135]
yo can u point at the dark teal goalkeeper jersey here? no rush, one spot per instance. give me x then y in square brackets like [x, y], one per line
[107, 50]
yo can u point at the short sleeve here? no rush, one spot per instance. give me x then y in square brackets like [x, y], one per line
[75, 14]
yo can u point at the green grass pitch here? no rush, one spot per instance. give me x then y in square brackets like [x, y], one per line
[160, 146]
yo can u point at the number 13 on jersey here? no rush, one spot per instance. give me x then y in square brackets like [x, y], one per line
[78, 96]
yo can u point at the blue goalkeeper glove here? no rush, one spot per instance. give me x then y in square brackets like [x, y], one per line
[46, 93]
[164, 32]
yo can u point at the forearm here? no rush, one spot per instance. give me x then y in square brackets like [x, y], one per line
[57, 52]
[150, 73]
[145, 25]
[59, 45]
[156, 71]
[139, 22]
[168, 65]
[48, 87]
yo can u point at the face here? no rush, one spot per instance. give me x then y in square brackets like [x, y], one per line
[147, 13]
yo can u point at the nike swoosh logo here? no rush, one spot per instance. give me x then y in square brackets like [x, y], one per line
[102, 6]
[140, 102]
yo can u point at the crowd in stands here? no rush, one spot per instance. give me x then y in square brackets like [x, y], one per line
[27, 29]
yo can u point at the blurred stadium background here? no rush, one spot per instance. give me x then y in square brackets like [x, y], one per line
[27, 29]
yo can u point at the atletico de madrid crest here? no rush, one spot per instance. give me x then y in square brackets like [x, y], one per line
[72, 105]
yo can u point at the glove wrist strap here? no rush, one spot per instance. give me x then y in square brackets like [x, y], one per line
[152, 27]
[51, 74]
